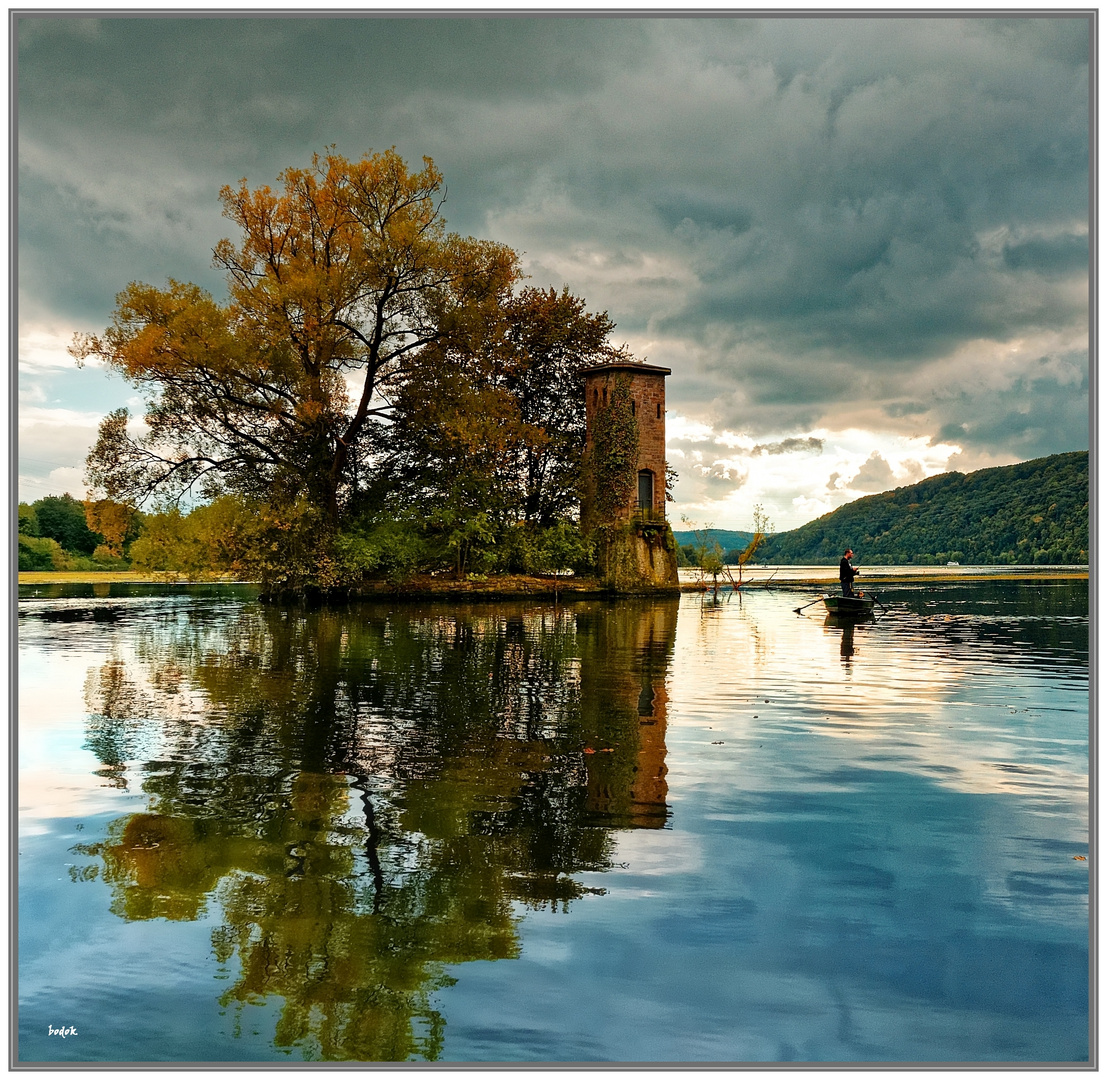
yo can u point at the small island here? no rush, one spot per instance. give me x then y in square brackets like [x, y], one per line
[376, 406]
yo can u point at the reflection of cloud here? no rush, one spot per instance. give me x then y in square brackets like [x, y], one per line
[910, 700]
[659, 853]
[46, 794]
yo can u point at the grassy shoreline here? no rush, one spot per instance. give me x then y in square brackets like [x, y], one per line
[111, 577]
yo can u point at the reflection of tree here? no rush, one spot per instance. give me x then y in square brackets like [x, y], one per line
[367, 795]
[113, 696]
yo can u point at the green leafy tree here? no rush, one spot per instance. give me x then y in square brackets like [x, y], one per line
[456, 437]
[488, 431]
[62, 518]
[562, 547]
[168, 545]
[551, 339]
[686, 555]
[42, 553]
[392, 548]
[227, 536]
[28, 520]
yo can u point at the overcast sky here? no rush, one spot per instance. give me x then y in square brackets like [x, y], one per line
[861, 244]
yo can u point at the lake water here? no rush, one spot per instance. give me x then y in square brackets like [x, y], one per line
[669, 831]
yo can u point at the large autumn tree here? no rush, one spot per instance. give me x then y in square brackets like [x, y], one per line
[336, 281]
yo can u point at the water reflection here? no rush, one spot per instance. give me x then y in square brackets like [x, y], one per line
[1023, 623]
[847, 625]
[741, 835]
[367, 796]
[625, 658]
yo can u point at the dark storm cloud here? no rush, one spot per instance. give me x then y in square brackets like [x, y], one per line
[1026, 418]
[1056, 257]
[937, 207]
[142, 71]
[789, 446]
[802, 216]
[129, 127]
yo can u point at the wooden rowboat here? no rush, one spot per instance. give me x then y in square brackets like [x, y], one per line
[849, 605]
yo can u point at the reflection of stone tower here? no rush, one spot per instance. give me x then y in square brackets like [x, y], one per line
[624, 703]
[635, 547]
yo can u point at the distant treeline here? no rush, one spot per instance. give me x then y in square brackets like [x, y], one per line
[731, 542]
[55, 534]
[1035, 512]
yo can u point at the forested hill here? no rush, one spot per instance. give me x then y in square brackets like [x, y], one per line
[1033, 512]
[727, 539]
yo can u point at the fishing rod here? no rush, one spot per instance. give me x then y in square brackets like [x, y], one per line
[817, 600]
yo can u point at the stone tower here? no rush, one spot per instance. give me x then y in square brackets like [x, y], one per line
[636, 551]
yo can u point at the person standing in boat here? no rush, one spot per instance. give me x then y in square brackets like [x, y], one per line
[847, 572]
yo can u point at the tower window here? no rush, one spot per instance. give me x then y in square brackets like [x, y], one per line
[659, 410]
[645, 489]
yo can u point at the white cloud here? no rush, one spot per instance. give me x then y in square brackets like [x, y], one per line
[681, 429]
[875, 475]
[53, 445]
[45, 347]
[795, 485]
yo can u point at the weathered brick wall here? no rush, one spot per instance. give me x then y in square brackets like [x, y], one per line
[647, 390]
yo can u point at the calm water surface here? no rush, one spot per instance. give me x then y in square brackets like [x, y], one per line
[673, 831]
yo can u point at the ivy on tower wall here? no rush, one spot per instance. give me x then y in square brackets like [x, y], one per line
[612, 465]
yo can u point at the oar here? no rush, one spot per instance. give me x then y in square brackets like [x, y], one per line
[816, 601]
